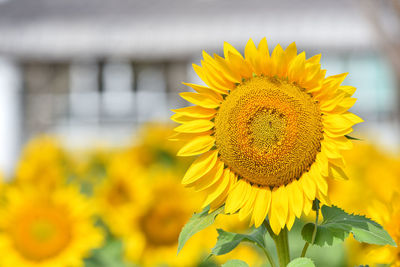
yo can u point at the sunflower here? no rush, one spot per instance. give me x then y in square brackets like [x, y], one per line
[150, 148]
[43, 230]
[377, 198]
[267, 129]
[388, 215]
[123, 191]
[147, 213]
[365, 163]
[42, 163]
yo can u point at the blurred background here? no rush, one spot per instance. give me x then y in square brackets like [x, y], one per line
[95, 73]
[97, 70]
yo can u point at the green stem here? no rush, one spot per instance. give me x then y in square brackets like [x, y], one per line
[314, 234]
[282, 245]
[304, 251]
[269, 257]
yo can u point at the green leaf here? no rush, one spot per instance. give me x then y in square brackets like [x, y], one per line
[301, 262]
[352, 138]
[338, 224]
[228, 241]
[111, 255]
[235, 263]
[198, 222]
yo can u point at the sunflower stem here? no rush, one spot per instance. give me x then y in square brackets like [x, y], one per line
[306, 245]
[282, 245]
[269, 257]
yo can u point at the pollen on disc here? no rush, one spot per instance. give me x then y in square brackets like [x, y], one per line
[268, 131]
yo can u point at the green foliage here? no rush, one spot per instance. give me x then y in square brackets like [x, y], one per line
[198, 222]
[301, 262]
[228, 241]
[352, 138]
[110, 255]
[235, 263]
[338, 224]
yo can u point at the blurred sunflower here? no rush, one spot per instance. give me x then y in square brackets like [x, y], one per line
[269, 130]
[388, 215]
[46, 230]
[42, 163]
[150, 147]
[124, 193]
[147, 210]
[366, 162]
[87, 167]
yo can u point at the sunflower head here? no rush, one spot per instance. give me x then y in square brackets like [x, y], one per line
[150, 226]
[268, 129]
[42, 163]
[51, 229]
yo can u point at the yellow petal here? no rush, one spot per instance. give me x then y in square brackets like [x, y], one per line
[221, 199]
[230, 49]
[201, 100]
[341, 142]
[277, 59]
[230, 74]
[290, 220]
[210, 178]
[274, 221]
[200, 166]
[265, 62]
[336, 172]
[339, 162]
[296, 68]
[195, 126]
[206, 90]
[330, 86]
[295, 197]
[337, 132]
[308, 186]
[344, 105]
[324, 199]
[279, 204]
[330, 150]
[215, 191]
[322, 163]
[349, 90]
[263, 48]
[307, 205]
[248, 206]
[197, 146]
[321, 183]
[187, 136]
[261, 206]
[291, 52]
[183, 119]
[242, 67]
[196, 112]
[332, 103]
[237, 197]
[215, 78]
[314, 59]
[251, 55]
[216, 66]
[352, 117]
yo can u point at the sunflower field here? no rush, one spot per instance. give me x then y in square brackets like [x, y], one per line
[199, 133]
[126, 207]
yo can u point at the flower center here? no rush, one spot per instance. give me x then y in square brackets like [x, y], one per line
[268, 131]
[118, 194]
[40, 232]
[162, 223]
